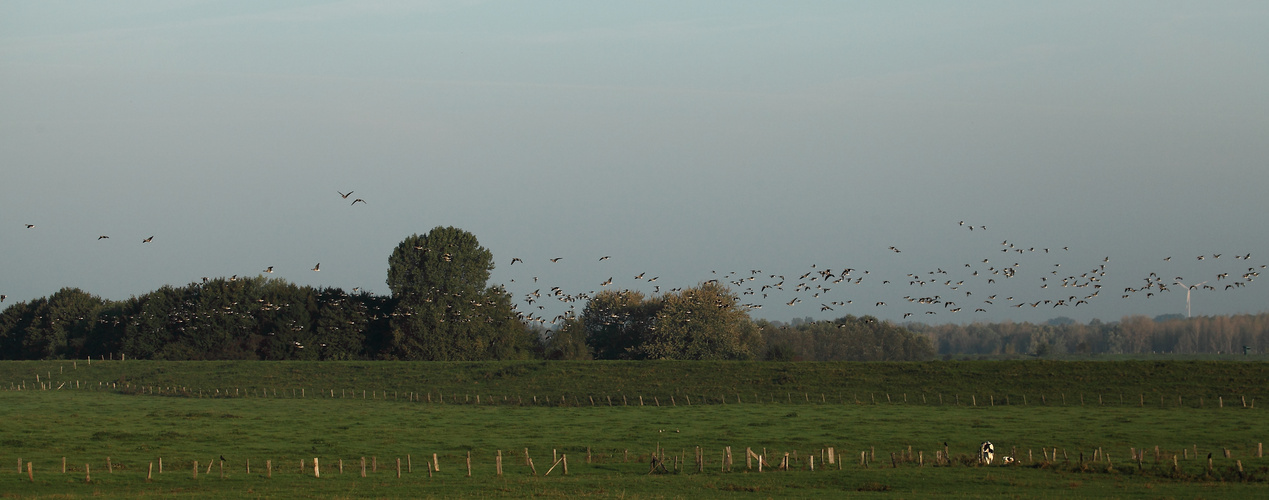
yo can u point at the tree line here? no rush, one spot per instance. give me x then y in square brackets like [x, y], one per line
[1131, 335]
[441, 307]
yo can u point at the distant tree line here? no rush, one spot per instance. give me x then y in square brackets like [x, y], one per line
[1131, 335]
[440, 308]
[848, 338]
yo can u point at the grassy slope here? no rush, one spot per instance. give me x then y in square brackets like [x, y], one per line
[844, 381]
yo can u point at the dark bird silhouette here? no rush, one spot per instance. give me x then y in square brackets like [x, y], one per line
[557, 259]
[606, 257]
[30, 226]
[343, 195]
[358, 200]
[318, 267]
[269, 269]
[147, 240]
[516, 259]
[103, 237]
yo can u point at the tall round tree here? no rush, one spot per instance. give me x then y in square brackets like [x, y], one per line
[444, 309]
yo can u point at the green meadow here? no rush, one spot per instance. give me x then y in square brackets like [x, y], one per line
[135, 413]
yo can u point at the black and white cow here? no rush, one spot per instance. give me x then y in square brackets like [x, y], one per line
[986, 453]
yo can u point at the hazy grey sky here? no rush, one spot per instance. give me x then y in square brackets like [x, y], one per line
[681, 138]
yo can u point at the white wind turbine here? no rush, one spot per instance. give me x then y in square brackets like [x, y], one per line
[1188, 289]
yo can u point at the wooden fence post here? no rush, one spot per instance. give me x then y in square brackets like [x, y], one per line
[498, 463]
[363, 466]
[88, 477]
[268, 468]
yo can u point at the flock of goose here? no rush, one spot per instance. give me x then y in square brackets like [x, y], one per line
[1018, 277]
[969, 287]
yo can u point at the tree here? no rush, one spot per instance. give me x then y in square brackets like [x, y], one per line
[444, 310]
[616, 322]
[63, 321]
[705, 322]
[568, 342]
[14, 321]
[845, 339]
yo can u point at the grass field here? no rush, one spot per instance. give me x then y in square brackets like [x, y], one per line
[135, 428]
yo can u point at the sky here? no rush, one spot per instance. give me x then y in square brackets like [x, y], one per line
[687, 141]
